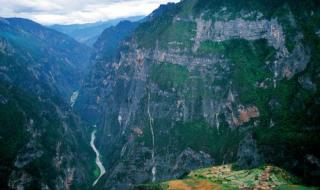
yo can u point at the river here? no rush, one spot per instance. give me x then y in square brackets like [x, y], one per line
[98, 161]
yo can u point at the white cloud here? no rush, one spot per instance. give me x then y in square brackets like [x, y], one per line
[77, 11]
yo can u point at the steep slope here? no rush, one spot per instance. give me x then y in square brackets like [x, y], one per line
[106, 48]
[210, 82]
[43, 144]
[89, 33]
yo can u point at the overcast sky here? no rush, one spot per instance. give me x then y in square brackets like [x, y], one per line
[77, 11]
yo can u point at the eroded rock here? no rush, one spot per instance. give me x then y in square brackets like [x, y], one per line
[246, 114]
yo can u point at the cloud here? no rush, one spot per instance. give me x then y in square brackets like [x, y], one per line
[77, 11]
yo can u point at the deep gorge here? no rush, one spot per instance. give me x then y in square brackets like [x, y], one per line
[185, 97]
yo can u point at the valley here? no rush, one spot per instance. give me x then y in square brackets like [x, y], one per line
[198, 94]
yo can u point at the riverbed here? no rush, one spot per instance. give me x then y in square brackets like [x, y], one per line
[98, 161]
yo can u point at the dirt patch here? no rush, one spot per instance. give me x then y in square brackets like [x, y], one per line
[178, 185]
[205, 185]
[193, 185]
[264, 180]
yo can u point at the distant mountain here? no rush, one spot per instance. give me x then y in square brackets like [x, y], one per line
[46, 55]
[111, 38]
[43, 145]
[88, 33]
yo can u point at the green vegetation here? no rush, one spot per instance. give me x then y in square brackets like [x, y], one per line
[168, 76]
[151, 187]
[96, 171]
[34, 118]
[287, 130]
[16, 112]
[199, 136]
[210, 47]
[249, 67]
[290, 99]
[13, 120]
[181, 33]
[290, 31]
[202, 137]
[13, 130]
[148, 32]
[23, 43]
[164, 31]
[267, 7]
[295, 187]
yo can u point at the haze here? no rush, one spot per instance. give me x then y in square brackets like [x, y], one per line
[77, 11]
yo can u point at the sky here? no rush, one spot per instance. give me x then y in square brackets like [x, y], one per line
[77, 11]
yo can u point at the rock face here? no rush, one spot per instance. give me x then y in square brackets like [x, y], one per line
[189, 160]
[43, 144]
[240, 28]
[246, 114]
[248, 155]
[195, 79]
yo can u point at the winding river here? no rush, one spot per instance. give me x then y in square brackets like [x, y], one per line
[98, 161]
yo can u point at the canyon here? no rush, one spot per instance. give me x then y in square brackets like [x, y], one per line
[186, 97]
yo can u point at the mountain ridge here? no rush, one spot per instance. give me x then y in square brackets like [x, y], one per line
[43, 143]
[88, 33]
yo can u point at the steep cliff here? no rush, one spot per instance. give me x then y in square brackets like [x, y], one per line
[106, 49]
[210, 82]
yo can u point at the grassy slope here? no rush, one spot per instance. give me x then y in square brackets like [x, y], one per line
[224, 177]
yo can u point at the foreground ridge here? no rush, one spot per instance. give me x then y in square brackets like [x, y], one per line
[225, 177]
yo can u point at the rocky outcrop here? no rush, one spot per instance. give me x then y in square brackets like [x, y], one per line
[287, 65]
[3, 99]
[18, 180]
[32, 150]
[246, 114]
[240, 28]
[318, 33]
[248, 155]
[307, 84]
[189, 160]
[5, 47]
